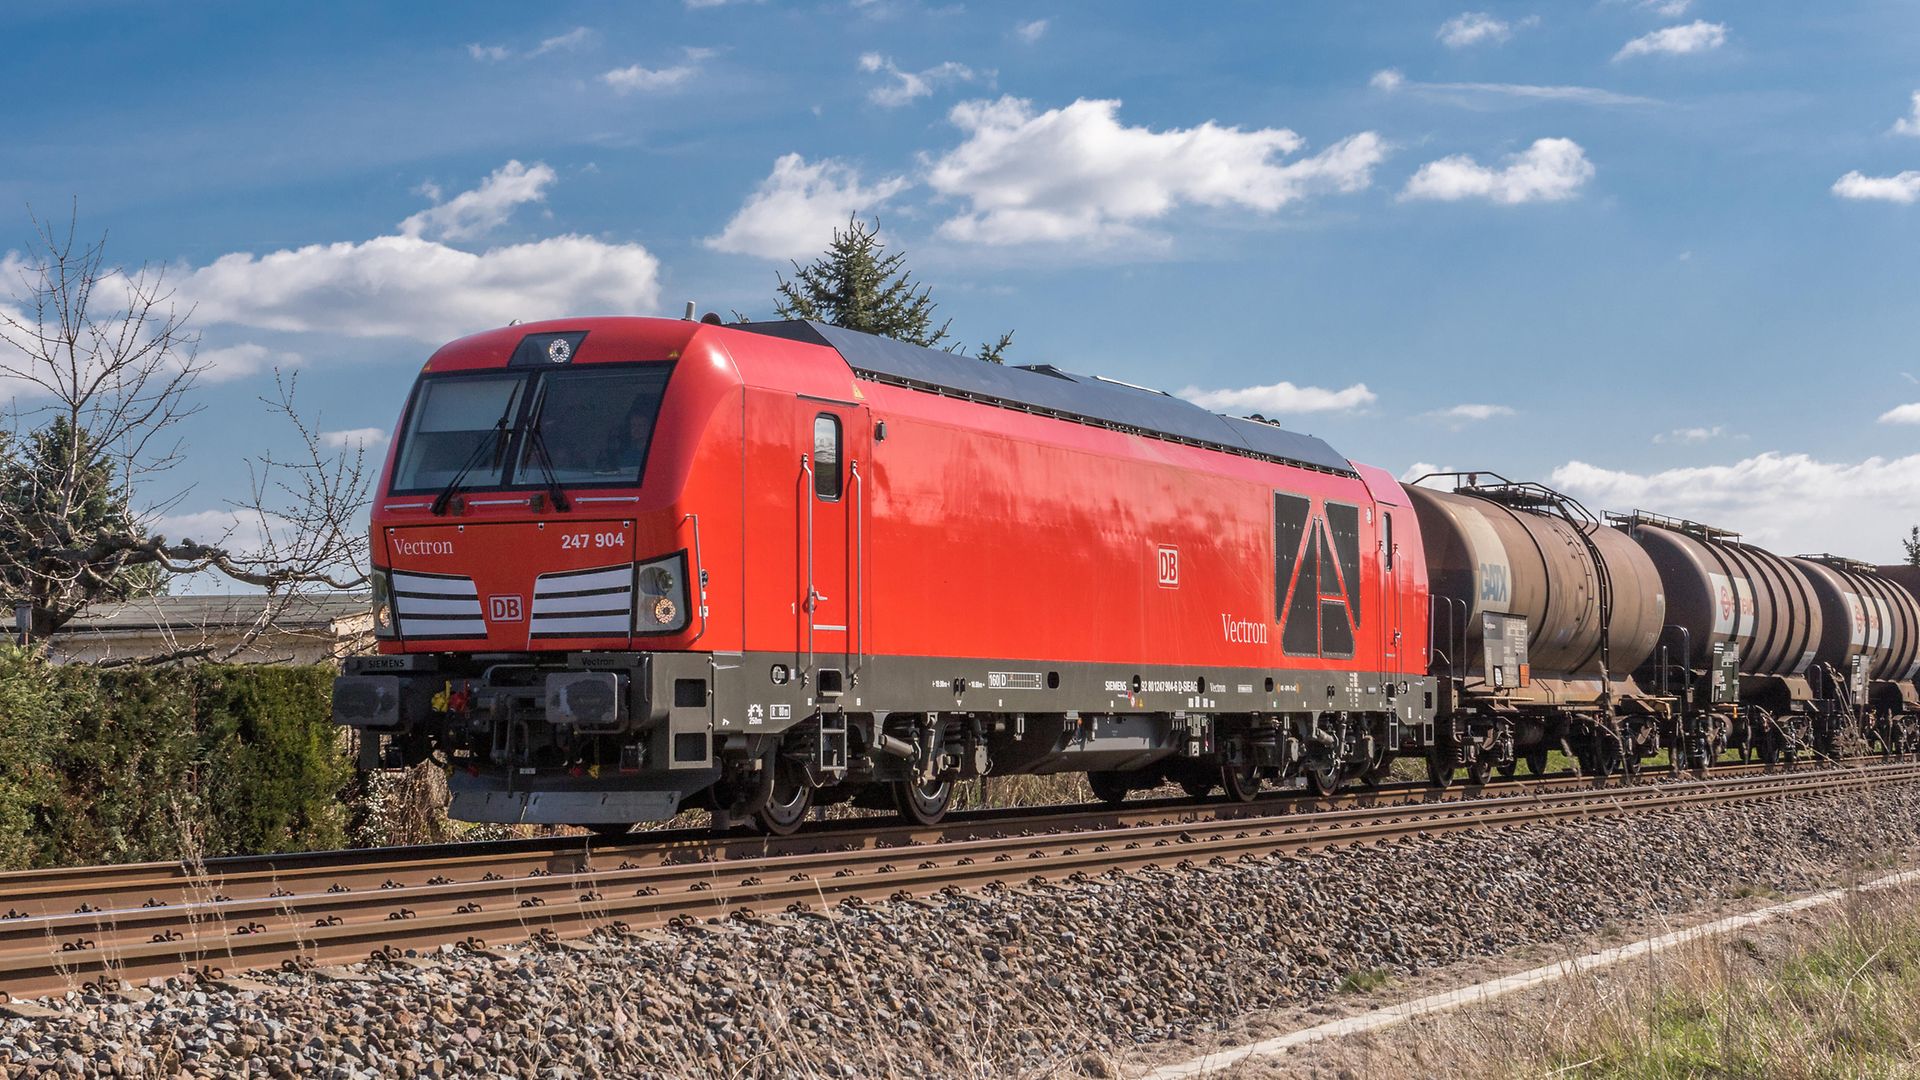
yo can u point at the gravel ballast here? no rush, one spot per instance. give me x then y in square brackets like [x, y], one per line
[1007, 981]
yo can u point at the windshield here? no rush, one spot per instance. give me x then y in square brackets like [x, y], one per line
[453, 419]
[592, 427]
[587, 425]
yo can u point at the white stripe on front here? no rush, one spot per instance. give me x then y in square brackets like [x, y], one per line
[619, 577]
[452, 605]
[432, 628]
[554, 605]
[597, 624]
[403, 582]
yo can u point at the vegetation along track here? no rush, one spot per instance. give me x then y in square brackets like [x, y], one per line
[102, 926]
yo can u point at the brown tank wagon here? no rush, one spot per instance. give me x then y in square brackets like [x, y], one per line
[1543, 615]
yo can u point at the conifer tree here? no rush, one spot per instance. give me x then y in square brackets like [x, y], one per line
[857, 285]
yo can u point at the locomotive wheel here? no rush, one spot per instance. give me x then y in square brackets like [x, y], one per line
[739, 799]
[1323, 777]
[1108, 786]
[1241, 781]
[923, 803]
[1198, 782]
[1438, 775]
[1537, 761]
[788, 802]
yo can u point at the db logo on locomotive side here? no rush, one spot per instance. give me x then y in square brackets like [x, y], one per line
[503, 608]
[1169, 564]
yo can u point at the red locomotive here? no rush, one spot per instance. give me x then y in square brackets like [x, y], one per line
[623, 565]
[624, 562]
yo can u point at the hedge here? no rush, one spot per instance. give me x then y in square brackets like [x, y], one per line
[127, 764]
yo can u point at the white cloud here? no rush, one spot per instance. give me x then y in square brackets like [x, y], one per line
[1667, 9]
[1471, 413]
[485, 208]
[1902, 414]
[1901, 188]
[1909, 124]
[1695, 37]
[638, 79]
[1473, 28]
[1030, 32]
[1392, 80]
[1691, 435]
[1786, 502]
[406, 286]
[908, 85]
[1281, 398]
[572, 39]
[1076, 173]
[366, 438]
[239, 361]
[1548, 171]
[238, 531]
[793, 213]
[1422, 468]
[1388, 79]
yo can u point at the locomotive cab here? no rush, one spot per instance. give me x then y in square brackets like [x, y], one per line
[538, 577]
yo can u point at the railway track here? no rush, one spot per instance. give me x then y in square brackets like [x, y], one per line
[102, 927]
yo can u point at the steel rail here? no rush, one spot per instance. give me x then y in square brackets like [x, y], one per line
[210, 938]
[95, 888]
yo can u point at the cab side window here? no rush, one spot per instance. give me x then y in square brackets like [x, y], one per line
[826, 456]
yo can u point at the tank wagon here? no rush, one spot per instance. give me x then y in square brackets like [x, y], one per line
[1540, 617]
[625, 566]
[1898, 705]
[1786, 656]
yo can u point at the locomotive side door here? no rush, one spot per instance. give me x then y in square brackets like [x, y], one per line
[1394, 580]
[833, 497]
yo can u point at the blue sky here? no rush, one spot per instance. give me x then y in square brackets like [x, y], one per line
[1662, 253]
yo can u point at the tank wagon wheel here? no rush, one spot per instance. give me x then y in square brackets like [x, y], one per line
[1242, 782]
[1480, 771]
[1537, 761]
[788, 802]
[609, 831]
[1438, 775]
[1507, 769]
[923, 803]
[1108, 786]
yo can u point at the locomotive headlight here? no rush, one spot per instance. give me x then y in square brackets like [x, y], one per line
[384, 625]
[660, 606]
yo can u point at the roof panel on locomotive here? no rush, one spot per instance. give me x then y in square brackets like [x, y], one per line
[1046, 389]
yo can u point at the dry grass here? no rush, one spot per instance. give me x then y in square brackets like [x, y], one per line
[1832, 993]
[1843, 1003]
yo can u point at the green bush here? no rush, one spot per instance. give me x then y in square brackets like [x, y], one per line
[128, 764]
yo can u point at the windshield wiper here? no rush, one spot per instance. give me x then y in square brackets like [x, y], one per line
[546, 466]
[497, 438]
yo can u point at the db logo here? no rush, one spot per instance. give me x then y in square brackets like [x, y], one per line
[1726, 603]
[503, 608]
[1169, 566]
